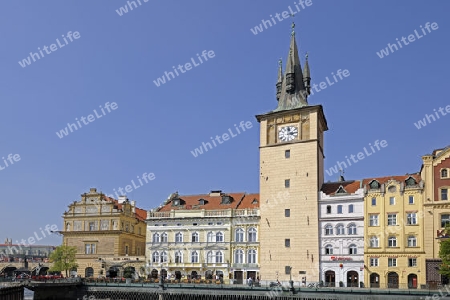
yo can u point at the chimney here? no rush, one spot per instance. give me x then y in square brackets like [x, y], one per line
[133, 206]
[217, 193]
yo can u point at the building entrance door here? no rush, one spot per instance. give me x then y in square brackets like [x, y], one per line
[238, 277]
[352, 279]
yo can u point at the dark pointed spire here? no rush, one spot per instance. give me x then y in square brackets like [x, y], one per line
[307, 76]
[293, 93]
[280, 78]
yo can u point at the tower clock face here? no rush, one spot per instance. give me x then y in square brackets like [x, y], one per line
[287, 133]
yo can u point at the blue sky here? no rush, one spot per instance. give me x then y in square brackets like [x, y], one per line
[154, 129]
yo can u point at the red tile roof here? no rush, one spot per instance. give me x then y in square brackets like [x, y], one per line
[240, 201]
[399, 178]
[350, 186]
[140, 214]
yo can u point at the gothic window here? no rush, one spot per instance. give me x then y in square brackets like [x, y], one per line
[178, 257]
[156, 238]
[219, 257]
[164, 238]
[219, 237]
[195, 237]
[194, 257]
[178, 237]
[210, 237]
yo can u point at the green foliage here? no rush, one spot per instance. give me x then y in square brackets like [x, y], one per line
[444, 254]
[63, 259]
[128, 272]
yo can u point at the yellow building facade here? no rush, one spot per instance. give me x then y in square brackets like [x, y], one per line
[108, 234]
[394, 251]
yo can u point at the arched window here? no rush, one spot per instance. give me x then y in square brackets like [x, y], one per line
[178, 237]
[239, 235]
[156, 238]
[392, 241]
[328, 209]
[352, 249]
[251, 259]
[444, 173]
[219, 237]
[219, 257]
[252, 234]
[164, 237]
[194, 257]
[239, 256]
[374, 242]
[195, 237]
[340, 230]
[164, 256]
[178, 257]
[328, 230]
[328, 249]
[89, 272]
[209, 257]
[210, 237]
[155, 257]
[352, 229]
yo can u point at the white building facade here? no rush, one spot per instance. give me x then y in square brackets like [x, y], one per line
[341, 221]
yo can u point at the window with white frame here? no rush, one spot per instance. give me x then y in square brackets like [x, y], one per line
[392, 262]
[392, 219]
[219, 257]
[239, 256]
[352, 249]
[194, 257]
[340, 230]
[155, 257]
[252, 234]
[210, 257]
[411, 199]
[328, 230]
[195, 237]
[352, 229]
[219, 237]
[251, 256]
[411, 219]
[210, 237]
[374, 242]
[328, 249]
[392, 241]
[373, 220]
[164, 237]
[391, 200]
[164, 256]
[412, 241]
[178, 237]
[444, 194]
[444, 173]
[412, 262]
[156, 238]
[178, 257]
[374, 261]
[350, 208]
[339, 209]
[239, 235]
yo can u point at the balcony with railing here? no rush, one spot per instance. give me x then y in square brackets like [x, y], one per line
[244, 266]
[200, 213]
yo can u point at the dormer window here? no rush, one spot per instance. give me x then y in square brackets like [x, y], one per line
[444, 173]
[341, 190]
[411, 181]
[255, 201]
[374, 185]
[202, 201]
[226, 199]
[177, 202]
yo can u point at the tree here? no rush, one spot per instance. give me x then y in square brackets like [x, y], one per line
[128, 272]
[63, 259]
[444, 254]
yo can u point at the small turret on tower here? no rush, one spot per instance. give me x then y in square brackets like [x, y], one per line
[307, 76]
[280, 78]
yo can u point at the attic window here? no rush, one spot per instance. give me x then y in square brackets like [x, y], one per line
[341, 190]
[202, 201]
[254, 201]
[227, 199]
[410, 181]
[374, 185]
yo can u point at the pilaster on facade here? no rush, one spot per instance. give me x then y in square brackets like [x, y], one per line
[204, 237]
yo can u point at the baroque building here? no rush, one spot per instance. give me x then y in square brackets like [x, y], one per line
[436, 173]
[341, 220]
[394, 252]
[291, 175]
[199, 237]
[109, 234]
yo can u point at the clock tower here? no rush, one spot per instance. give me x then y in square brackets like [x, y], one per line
[291, 175]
